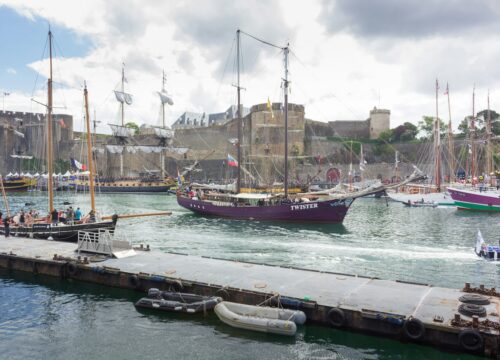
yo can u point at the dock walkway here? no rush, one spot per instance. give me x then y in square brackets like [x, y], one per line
[415, 312]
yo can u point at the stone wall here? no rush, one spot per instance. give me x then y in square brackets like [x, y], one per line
[33, 126]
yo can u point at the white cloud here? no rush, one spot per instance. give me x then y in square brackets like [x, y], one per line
[11, 71]
[338, 71]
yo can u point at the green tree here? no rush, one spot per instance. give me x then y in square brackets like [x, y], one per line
[133, 125]
[426, 127]
[480, 123]
[386, 136]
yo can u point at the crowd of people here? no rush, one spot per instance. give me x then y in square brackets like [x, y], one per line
[28, 218]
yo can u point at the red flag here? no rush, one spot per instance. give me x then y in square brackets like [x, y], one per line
[62, 123]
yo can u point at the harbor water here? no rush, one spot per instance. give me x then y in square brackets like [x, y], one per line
[48, 318]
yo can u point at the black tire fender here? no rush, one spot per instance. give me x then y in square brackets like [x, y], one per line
[223, 293]
[134, 281]
[470, 340]
[176, 286]
[72, 269]
[414, 329]
[336, 317]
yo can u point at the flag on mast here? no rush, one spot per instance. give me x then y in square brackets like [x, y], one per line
[231, 161]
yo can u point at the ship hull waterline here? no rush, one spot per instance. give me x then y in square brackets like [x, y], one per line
[475, 201]
[66, 233]
[327, 211]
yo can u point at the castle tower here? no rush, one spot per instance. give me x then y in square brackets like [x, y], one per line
[379, 121]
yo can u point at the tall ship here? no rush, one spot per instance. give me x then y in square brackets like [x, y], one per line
[432, 190]
[52, 226]
[482, 194]
[147, 181]
[301, 207]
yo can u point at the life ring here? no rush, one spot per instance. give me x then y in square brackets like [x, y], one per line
[72, 269]
[414, 329]
[134, 281]
[176, 286]
[470, 340]
[336, 317]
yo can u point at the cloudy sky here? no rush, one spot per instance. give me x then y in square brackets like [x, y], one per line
[347, 55]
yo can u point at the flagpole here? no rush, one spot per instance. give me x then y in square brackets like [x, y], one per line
[472, 135]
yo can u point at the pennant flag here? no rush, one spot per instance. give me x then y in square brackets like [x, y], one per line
[231, 161]
[447, 91]
[270, 107]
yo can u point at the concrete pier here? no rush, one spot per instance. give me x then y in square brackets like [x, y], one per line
[405, 311]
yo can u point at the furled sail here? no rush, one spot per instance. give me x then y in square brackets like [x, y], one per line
[123, 97]
[121, 131]
[28, 157]
[165, 98]
[163, 133]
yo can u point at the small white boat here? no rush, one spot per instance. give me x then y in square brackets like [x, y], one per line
[260, 318]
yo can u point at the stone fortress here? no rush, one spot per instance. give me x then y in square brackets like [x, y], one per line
[209, 138]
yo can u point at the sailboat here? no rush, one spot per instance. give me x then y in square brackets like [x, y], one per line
[432, 194]
[149, 181]
[480, 196]
[306, 207]
[47, 227]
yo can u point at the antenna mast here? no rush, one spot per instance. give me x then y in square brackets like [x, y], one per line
[285, 87]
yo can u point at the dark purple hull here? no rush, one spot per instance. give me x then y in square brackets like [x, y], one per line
[326, 211]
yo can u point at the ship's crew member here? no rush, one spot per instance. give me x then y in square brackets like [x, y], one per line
[78, 214]
[54, 216]
[22, 218]
[6, 224]
[70, 215]
[91, 216]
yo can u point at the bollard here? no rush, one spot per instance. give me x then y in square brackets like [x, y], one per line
[142, 246]
[475, 321]
[147, 247]
[467, 286]
[85, 260]
[457, 318]
[481, 287]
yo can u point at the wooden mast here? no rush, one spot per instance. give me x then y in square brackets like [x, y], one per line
[238, 182]
[123, 92]
[489, 150]
[49, 131]
[285, 87]
[162, 103]
[89, 149]
[472, 136]
[451, 153]
[437, 145]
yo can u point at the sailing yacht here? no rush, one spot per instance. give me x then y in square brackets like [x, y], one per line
[432, 194]
[306, 207]
[48, 227]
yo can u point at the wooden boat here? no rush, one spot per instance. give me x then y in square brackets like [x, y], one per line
[260, 318]
[180, 302]
[47, 228]
[18, 183]
[488, 252]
